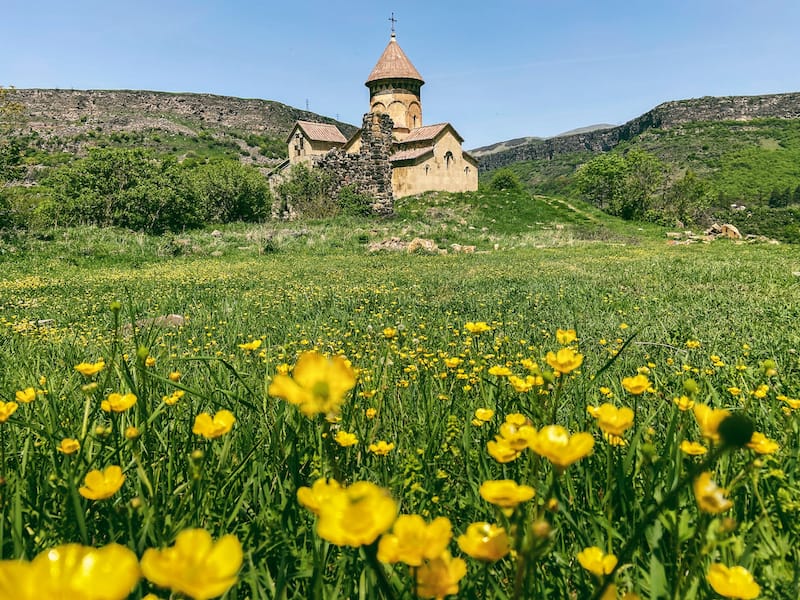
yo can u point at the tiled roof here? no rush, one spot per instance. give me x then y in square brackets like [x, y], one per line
[421, 134]
[394, 64]
[410, 154]
[322, 132]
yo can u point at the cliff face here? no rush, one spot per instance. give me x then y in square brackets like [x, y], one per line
[666, 115]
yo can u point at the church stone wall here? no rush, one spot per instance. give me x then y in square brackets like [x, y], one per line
[369, 169]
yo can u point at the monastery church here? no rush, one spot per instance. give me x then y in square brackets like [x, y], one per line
[420, 157]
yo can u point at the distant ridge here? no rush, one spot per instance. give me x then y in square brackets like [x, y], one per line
[69, 116]
[666, 115]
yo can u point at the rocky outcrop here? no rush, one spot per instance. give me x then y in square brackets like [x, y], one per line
[663, 116]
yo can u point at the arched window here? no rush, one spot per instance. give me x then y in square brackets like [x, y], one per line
[427, 168]
[466, 170]
[448, 158]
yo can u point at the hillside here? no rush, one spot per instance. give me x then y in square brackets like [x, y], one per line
[664, 116]
[69, 121]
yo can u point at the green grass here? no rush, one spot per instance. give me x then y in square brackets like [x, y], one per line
[633, 300]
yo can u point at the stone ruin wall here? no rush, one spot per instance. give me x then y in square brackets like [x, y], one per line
[369, 170]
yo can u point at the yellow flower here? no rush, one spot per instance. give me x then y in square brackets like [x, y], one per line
[683, 403]
[381, 448]
[320, 492]
[412, 540]
[761, 444]
[710, 497]
[565, 361]
[732, 582]
[99, 485]
[345, 439]
[175, 376]
[636, 385]
[131, 433]
[761, 391]
[149, 362]
[71, 571]
[521, 385]
[502, 451]
[595, 561]
[484, 414]
[118, 402]
[484, 541]
[250, 346]
[734, 391]
[89, 369]
[69, 446]
[693, 448]
[357, 515]
[211, 428]
[319, 384]
[196, 565]
[389, 333]
[453, 362]
[499, 371]
[612, 420]
[439, 577]
[173, 398]
[371, 413]
[6, 410]
[691, 344]
[708, 419]
[505, 493]
[566, 336]
[555, 443]
[477, 327]
[26, 395]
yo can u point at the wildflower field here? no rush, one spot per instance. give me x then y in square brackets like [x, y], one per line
[598, 420]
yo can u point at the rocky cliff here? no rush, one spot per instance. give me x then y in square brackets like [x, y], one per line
[664, 116]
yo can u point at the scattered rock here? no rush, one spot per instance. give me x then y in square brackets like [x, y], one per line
[423, 245]
[731, 232]
[459, 249]
[394, 244]
[216, 233]
[45, 322]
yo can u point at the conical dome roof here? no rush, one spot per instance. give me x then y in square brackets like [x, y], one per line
[394, 64]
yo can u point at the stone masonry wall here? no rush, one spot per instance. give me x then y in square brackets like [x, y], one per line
[368, 170]
[668, 114]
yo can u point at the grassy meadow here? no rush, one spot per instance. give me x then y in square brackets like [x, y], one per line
[544, 325]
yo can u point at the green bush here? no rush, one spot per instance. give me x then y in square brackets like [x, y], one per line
[505, 179]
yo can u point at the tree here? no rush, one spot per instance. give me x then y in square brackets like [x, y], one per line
[687, 199]
[505, 179]
[228, 191]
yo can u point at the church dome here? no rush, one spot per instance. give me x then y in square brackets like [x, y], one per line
[394, 64]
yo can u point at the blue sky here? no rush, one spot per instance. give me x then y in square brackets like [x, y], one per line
[495, 70]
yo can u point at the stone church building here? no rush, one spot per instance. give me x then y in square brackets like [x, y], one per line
[416, 158]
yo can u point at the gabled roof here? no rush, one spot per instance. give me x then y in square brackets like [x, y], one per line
[319, 132]
[429, 132]
[413, 154]
[394, 64]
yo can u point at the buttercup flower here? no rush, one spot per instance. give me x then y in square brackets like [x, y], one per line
[564, 361]
[709, 419]
[732, 582]
[319, 384]
[26, 395]
[636, 385]
[439, 577]
[389, 333]
[612, 420]
[412, 540]
[357, 515]
[250, 346]
[320, 492]
[345, 439]
[99, 485]
[506, 493]
[683, 403]
[499, 371]
[484, 541]
[484, 414]
[196, 565]
[761, 444]
[710, 497]
[118, 402]
[693, 448]
[452, 362]
[7, 409]
[502, 451]
[175, 376]
[89, 369]
[68, 446]
[477, 327]
[555, 444]
[211, 428]
[71, 571]
[595, 561]
[381, 448]
[566, 336]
